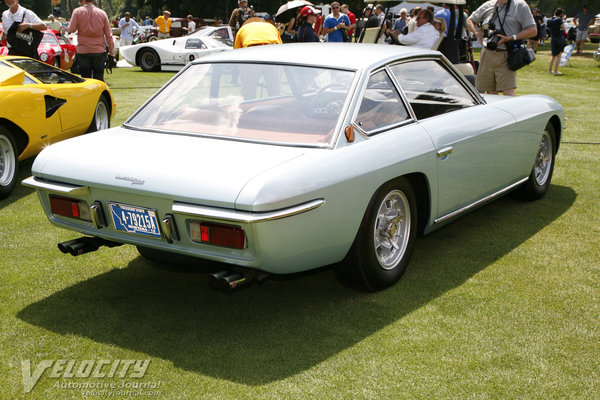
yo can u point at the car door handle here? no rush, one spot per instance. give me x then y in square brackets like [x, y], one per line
[443, 153]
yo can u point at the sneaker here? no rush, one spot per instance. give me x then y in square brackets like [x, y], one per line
[558, 74]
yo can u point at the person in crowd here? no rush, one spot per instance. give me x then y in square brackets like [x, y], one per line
[399, 24]
[191, 25]
[557, 40]
[147, 21]
[256, 32]
[424, 36]
[127, 26]
[240, 15]
[346, 10]
[440, 25]
[584, 19]
[370, 20]
[514, 22]
[94, 35]
[335, 23]
[380, 13]
[293, 24]
[25, 18]
[534, 41]
[412, 21]
[318, 26]
[163, 23]
[445, 14]
[54, 24]
[306, 33]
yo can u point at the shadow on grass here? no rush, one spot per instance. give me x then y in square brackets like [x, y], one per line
[20, 191]
[284, 326]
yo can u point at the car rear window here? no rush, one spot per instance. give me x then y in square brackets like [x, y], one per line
[264, 102]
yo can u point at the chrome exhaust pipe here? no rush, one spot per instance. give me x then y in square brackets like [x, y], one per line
[82, 245]
[226, 280]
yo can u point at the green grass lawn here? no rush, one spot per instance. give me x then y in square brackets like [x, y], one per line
[503, 303]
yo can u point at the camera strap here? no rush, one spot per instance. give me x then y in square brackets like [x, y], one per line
[497, 14]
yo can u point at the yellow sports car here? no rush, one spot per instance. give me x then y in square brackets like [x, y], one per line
[40, 105]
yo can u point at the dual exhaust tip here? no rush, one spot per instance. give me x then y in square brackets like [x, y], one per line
[223, 280]
[82, 245]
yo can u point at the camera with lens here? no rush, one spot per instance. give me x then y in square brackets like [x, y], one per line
[490, 35]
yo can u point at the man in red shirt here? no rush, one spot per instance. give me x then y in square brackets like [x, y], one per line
[93, 36]
[352, 18]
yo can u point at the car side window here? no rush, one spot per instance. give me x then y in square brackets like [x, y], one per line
[430, 88]
[194, 43]
[62, 39]
[49, 38]
[381, 105]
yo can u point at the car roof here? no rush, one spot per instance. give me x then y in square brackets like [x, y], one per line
[334, 55]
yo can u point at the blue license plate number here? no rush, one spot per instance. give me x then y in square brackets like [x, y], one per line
[136, 220]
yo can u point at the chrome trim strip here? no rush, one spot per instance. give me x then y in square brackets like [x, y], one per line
[480, 201]
[64, 188]
[243, 216]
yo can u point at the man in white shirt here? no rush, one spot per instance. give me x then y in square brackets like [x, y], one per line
[24, 17]
[191, 27]
[424, 36]
[126, 24]
[54, 24]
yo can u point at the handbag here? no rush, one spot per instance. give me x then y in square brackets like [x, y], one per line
[519, 56]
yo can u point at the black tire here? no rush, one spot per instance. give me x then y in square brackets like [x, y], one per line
[149, 60]
[57, 62]
[101, 118]
[372, 263]
[9, 162]
[541, 174]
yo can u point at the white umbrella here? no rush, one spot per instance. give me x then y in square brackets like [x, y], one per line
[288, 10]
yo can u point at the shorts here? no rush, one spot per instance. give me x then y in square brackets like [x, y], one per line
[557, 46]
[493, 74]
[162, 35]
[581, 35]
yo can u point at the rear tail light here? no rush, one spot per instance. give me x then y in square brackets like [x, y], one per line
[218, 234]
[67, 207]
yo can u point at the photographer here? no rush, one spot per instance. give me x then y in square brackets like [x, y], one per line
[508, 23]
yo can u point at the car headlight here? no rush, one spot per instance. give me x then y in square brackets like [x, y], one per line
[44, 57]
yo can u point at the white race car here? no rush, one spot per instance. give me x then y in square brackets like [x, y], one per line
[174, 54]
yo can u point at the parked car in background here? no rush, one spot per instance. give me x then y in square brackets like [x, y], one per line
[54, 49]
[301, 163]
[174, 53]
[40, 105]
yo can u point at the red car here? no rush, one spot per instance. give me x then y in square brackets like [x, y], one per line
[54, 49]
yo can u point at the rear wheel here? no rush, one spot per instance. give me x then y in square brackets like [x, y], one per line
[101, 116]
[382, 249]
[539, 180]
[9, 164]
[149, 60]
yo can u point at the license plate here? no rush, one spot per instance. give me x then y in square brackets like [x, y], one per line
[137, 220]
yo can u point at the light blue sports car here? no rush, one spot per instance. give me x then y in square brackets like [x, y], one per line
[280, 159]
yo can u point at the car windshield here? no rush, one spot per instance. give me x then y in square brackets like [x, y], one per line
[43, 72]
[264, 102]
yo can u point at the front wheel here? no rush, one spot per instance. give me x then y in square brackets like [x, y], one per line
[539, 180]
[9, 164]
[101, 118]
[149, 60]
[382, 249]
